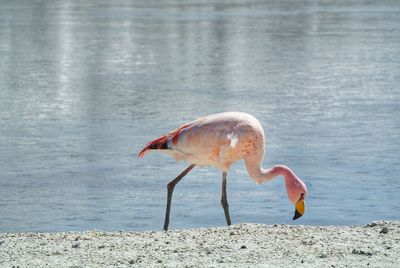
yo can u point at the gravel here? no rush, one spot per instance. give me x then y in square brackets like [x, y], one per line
[243, 245]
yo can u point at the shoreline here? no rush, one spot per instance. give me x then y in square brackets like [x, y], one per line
[241, 245]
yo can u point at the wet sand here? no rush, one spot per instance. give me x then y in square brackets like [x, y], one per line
[243, 245]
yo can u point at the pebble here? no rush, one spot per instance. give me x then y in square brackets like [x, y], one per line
[384, 230]
[308, 242]
[362, 252]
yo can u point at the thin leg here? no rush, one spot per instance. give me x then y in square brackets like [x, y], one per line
[224, 200]
[170, 187]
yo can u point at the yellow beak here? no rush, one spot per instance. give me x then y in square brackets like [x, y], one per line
[300, 208]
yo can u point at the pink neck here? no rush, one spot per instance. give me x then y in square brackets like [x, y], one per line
[260, 175]
[293, 184]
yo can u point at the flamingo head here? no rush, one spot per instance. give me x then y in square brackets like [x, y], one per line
[297, 192]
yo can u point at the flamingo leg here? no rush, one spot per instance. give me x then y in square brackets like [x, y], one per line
[170, 188]
[224, 200]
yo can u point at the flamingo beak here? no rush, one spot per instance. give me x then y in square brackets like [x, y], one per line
[299, 208]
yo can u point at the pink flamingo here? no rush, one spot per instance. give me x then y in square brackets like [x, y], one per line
[219, 140]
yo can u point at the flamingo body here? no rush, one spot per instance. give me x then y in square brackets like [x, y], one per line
[217, 140]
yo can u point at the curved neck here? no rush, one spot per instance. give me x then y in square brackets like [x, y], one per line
[260, 175]
[294, 186]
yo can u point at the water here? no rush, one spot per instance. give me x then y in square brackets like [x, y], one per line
[85, 84]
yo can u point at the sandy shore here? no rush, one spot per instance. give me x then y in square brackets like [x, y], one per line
[242, 245]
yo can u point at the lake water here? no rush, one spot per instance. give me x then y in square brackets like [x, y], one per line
[85, 84]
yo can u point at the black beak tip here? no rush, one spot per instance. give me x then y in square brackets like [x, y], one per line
[296, 215]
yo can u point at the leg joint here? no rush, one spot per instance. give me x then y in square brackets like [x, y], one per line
[224, 202]
[170, 186]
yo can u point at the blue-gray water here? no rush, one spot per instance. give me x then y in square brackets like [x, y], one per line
[85, 84]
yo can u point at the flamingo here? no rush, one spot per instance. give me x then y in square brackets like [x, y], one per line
[219, 140]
